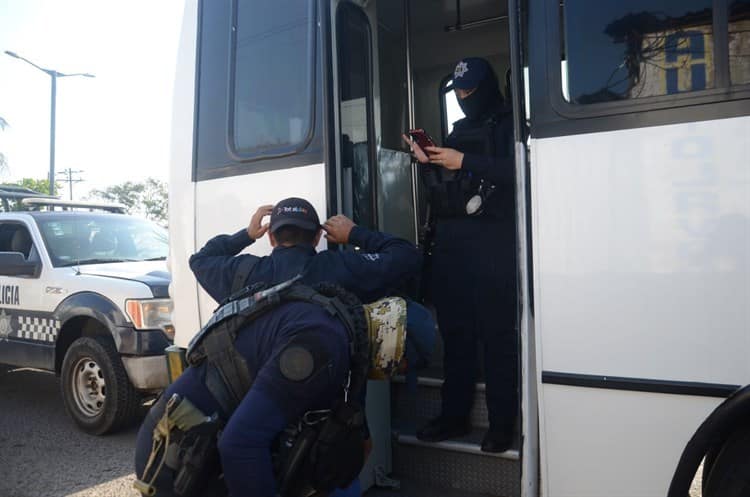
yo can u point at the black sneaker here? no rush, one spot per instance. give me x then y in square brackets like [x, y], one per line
[440, 429]
[496, 441]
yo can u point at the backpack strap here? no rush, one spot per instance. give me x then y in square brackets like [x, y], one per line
[227, 376]
[246, 266]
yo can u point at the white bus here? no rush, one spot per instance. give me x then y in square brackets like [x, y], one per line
[633, 213]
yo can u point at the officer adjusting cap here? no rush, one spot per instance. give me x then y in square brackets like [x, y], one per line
[294, 212]
[470, 72]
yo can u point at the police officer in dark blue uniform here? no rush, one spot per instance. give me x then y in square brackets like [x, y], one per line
[473, 280]
[382, 264]
[274, 400]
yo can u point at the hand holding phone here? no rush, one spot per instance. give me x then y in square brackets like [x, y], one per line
[421, 138]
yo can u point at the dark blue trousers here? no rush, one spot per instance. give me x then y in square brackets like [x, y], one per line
[473, 285]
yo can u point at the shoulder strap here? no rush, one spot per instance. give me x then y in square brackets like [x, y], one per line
[246, 266]
[228, 376]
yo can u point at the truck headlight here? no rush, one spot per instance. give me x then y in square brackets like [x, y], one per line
[151, 314]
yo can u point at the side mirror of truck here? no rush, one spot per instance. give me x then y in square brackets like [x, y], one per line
[14, 264]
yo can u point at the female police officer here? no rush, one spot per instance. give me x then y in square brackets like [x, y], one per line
[473, 270]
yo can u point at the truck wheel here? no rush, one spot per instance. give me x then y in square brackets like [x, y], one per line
[96, 390]
[729, 475]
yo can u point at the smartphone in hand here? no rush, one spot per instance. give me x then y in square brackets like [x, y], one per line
[422, 138]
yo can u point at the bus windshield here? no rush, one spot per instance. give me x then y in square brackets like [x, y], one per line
[94, 239]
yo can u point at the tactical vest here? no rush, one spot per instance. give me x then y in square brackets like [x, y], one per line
[452, 191]
[227, 375]
[320, 452]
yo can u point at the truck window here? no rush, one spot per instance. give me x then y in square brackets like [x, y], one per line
[15, 237]
[86, 240]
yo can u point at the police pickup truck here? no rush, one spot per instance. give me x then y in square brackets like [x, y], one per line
[84, 294]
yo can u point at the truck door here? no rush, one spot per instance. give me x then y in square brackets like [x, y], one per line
[27, 331]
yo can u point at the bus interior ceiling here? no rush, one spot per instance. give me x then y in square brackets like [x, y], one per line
[455, 467]
[437, 44]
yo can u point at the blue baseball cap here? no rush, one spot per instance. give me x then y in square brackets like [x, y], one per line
[470, 72]
[294, 212]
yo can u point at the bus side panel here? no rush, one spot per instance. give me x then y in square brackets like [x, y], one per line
[225, 205]
[642, 271]
[183, 289]
[615, 443]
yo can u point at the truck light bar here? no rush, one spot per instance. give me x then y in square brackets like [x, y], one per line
[68, 204]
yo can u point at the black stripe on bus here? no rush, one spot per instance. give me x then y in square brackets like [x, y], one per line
[639, 384]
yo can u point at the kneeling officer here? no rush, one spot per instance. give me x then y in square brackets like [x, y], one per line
[259, 364]
[298, 355]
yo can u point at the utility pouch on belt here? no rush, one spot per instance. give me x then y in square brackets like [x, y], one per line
[327, 454]
[184, 440]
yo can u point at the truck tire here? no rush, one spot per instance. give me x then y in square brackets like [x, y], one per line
[96, 390]
[729, 475]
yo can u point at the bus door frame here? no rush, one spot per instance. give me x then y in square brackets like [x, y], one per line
[529, 453]
[333, 118]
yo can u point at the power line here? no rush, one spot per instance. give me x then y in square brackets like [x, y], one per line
[70, 179]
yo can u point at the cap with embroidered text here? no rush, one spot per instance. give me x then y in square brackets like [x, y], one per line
[294, 212]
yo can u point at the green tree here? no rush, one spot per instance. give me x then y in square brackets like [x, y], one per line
[156, 200]
[128, 194]
[38, 185]
[147, 198]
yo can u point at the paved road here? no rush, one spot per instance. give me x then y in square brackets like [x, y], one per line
[43, 454]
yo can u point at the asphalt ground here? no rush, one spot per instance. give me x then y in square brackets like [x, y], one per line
[43, 453]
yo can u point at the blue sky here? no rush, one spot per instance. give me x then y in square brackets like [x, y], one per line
[115, 127]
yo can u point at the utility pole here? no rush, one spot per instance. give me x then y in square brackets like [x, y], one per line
[53, 105]
[70, 179]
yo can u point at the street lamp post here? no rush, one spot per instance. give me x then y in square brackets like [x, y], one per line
[54, 75]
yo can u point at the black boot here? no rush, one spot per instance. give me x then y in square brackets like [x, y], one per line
[497, 440]
[441, 428]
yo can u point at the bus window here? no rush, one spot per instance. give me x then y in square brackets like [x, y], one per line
[451, 110]
[641, 48]
[355, 93]
[273, 76]
[739, 42]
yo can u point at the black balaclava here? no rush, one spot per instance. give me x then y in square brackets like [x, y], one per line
[485, 100]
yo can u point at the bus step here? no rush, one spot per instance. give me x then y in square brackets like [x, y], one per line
[424, 404]
[405, 434]
[414, 489]
[457, 465]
